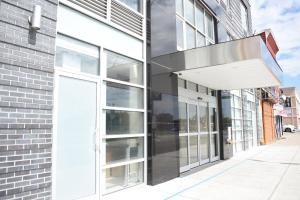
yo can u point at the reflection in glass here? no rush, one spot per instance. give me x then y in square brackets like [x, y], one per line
[179, 32]
[122, 150]
[203, 118]
[118, 95]
[183, 151]
[200, 40]
[77, 55]
[214, 145]
[210, 26]
[202, 89]
[190, 37]
[182, 117]
[117, 178]
[213, 119]
[123, 122]
[193, 123]
[204, 147]
[179, 7]
[123, 68]
[194, 149]
[189, 11]
[200, 18]
[134, 4]
[181, 83]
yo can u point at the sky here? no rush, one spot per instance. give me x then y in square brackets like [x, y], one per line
[283, 17]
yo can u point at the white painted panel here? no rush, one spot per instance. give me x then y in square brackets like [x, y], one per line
[78, 25]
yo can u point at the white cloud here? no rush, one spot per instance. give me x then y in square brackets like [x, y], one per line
[283, 17]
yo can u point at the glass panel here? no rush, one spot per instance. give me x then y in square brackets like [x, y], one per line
[200, 18]
[182, 117]
[192, 86]
[124, 122]
[193, 122]
[202, 89]
[209, 25]
[183, 151]
[194, 149]
[244, 16]
[118, 95]
[189, 11]
[200, 40]
[124, 69]
[179, 32]
[214, 145]
[204, 146]
[76, 55]
[121, 150]
[134, 4]
[76, 166]
[179, 7]
[117, 178]
[190, 37]
[203, 118]
[181, 83]
[213, 119]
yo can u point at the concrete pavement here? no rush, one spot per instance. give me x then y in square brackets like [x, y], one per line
[269, 172]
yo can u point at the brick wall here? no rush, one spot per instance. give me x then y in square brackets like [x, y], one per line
[26, 99]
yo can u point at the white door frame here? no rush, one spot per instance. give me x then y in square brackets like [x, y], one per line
[66, 73]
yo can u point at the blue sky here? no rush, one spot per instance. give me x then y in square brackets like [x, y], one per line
[283, 17]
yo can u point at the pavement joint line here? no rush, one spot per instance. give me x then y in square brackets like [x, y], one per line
[282, 176]
[214, 176]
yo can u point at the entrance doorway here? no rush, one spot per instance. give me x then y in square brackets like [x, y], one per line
[76, 165]
[198, 134]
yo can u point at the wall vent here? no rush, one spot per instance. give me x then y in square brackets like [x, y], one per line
[126, 18]
[98, 7]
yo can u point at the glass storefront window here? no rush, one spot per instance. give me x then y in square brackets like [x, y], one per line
[122, 150]
[190, 37]
[179, 32]
[183, 151]
[213, 119]
[118, 178]
[210, 26]
[76, 55]
[189, 11]
[179, 7]
[194, 149]
[118, 95]
[182, 117]
[203, 112]
[200, 18]
[204, 147]
[123, 68]
[193, 122]
[200, 40]
[124, 122]
[134, 4]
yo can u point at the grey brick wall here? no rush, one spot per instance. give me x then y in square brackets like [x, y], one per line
[26, 99]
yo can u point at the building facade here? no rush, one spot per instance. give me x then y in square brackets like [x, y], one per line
[107, 94]
[292, 107]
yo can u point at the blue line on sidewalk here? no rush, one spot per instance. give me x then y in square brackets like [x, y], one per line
[211, 177]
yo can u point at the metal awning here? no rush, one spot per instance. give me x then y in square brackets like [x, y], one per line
[237, 64]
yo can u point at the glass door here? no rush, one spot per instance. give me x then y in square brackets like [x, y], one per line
[214, 134]
[193, 135]
[183, 137]
[76, 165]
[204, 133]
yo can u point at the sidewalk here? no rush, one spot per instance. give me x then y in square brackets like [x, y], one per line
[267, 172]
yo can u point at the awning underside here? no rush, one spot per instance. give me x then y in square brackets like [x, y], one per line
[238, 64]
